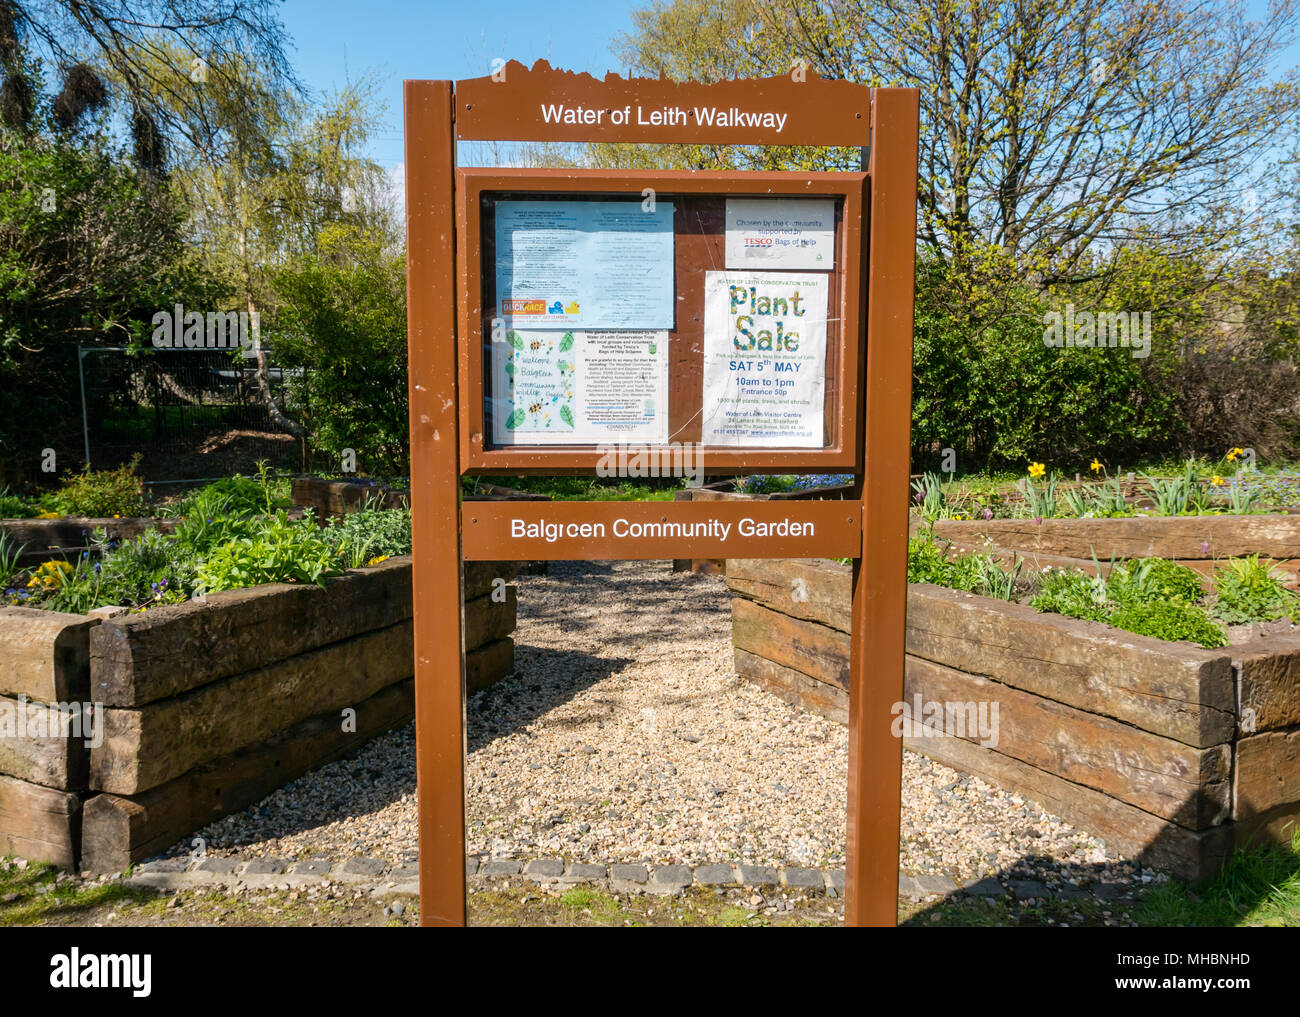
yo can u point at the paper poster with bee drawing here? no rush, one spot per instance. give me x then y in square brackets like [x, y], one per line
[558, 387]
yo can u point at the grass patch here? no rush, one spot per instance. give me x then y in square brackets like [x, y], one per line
[1259, 886]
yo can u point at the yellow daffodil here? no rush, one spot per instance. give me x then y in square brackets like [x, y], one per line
[1036, 470]
[1216, 480]
[1095, 466]
[1231, 456]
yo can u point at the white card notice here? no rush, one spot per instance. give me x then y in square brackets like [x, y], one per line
[781, 233]
[587, 387]
[764, 358]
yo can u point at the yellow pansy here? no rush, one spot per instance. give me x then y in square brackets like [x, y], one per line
[1036, 470]
[1216, 480]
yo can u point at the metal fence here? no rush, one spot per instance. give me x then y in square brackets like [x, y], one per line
[130, 398]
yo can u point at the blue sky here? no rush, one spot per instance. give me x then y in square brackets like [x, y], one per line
[334, 40]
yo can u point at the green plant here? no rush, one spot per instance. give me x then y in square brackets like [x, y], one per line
[1041, 497]
[1173, 496]
[1072, 593]
[281, 551]
[1142, 580]
[9, 555]
[14, 507]
[1169, 619]
[1250, 590]
[370, 533]
[149, 568]
[116, 492]
[997, 581]
[1240, 499]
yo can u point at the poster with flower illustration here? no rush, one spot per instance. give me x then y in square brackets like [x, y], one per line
[557, 387]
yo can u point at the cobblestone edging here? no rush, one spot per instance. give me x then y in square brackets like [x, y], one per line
[384, 879]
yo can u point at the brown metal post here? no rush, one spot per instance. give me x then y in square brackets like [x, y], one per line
[435, 500]
[880, 575]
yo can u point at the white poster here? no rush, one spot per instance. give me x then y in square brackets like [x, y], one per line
[779, 233]
[585, 264]
[764, 358]
[580, 387]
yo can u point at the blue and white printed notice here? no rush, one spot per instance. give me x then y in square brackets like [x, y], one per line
[777, 233]
[585, 264]
[764, 359]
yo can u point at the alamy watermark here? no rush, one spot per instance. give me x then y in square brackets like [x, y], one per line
[1130, 330]
[21, 718]
[179, 329]
[974, 721]
[636, 461]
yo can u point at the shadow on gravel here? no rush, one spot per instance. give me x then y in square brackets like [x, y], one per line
[631, 600]
[543, 679]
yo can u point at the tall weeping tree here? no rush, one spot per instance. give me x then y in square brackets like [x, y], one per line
[264, 173]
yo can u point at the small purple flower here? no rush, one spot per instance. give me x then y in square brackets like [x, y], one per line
[1205, 548]
[988, 513]
[919, 497]
[96, 566]
[1038, 520]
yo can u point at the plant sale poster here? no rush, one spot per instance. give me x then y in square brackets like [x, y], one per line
[764, 358]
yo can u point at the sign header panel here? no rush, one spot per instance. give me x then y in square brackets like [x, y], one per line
[518, 103]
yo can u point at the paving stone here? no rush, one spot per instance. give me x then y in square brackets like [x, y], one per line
[471, 866]
[629, 873]
[715, 875]
[986, 887]
[803, 879]
[312, 867]
[264, 866]
[404, 873]
[907, 886]
[929, 884]
[1069, 891]
[163, 865]
[669, 879]
[1109, 891]
[1026, 888]
[759, 875]
[545, 868]
[584, 872]
[220, 865]
[835, 881]
[499, 867]
[363, 867]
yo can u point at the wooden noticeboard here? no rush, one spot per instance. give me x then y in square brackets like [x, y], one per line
[866, 411]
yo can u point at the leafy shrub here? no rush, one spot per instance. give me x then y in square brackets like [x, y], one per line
[14, 507]
[973, 573]
[232, 495]
[1169, 619]
[1074, 594]
[1143, 580]
[1249, 590]
[153, 567]
[116, 492]
[281, 551]
[370, 533]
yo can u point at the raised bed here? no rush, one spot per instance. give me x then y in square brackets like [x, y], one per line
[1170, 752]
[208, 707]
[66, 537]
[1196, 541]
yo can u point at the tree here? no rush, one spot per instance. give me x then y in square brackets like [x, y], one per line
[1049, 128]
[156, 51]
[90, 246]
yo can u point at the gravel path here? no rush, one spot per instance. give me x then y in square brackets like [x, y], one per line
[626, 736]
